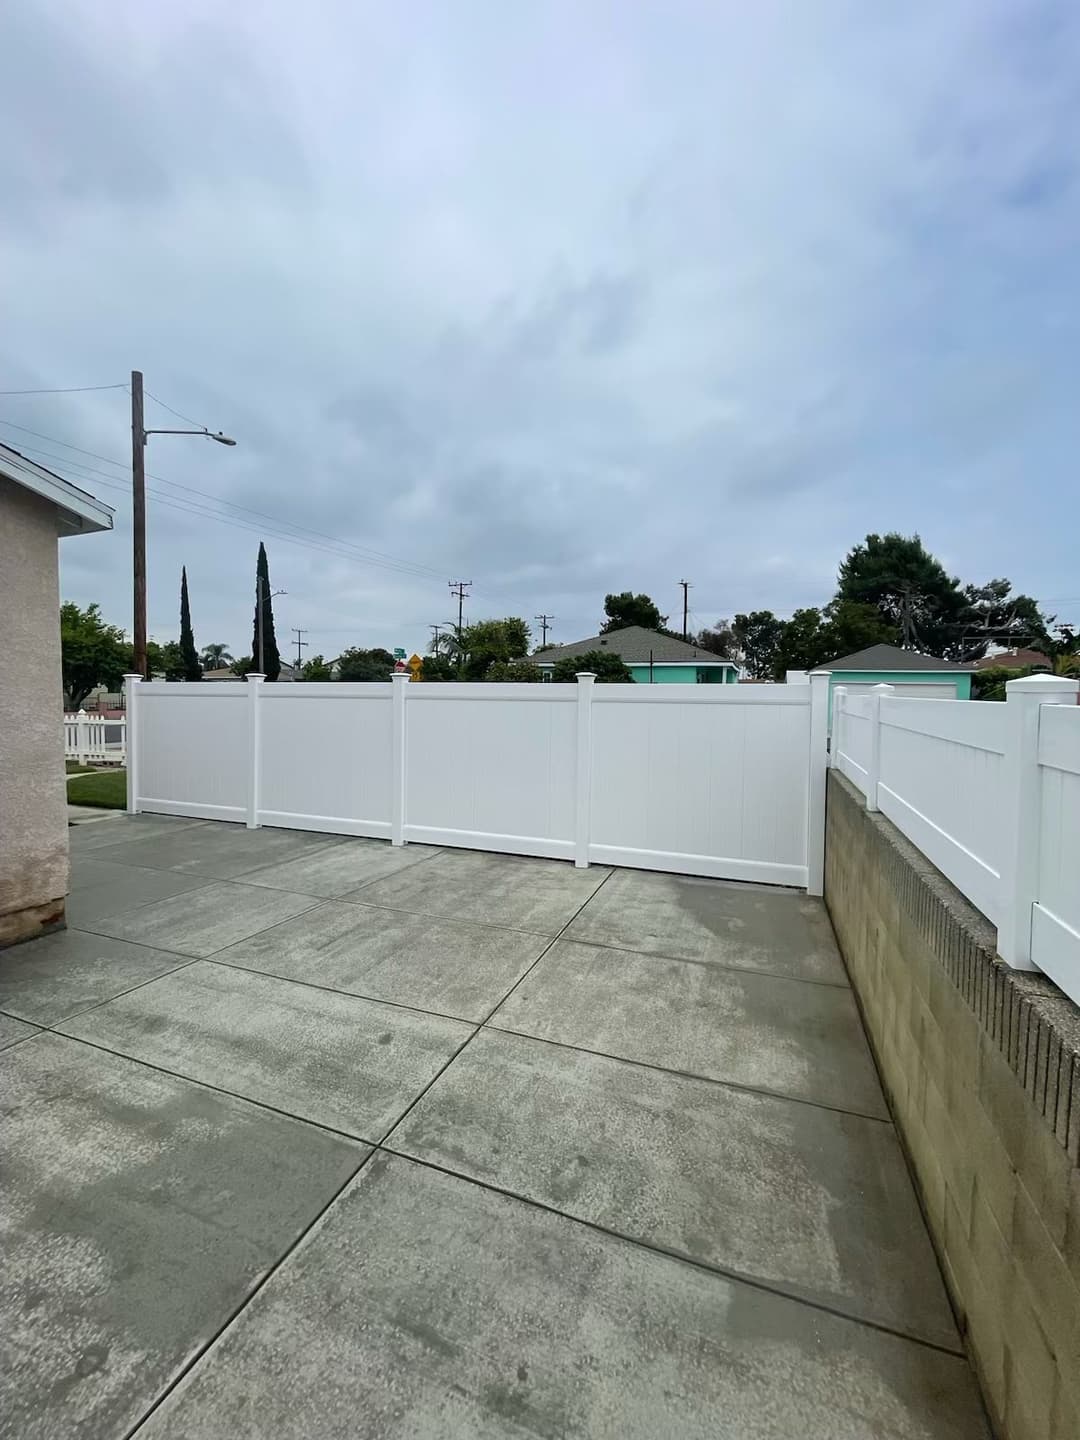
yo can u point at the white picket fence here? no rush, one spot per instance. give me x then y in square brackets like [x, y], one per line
[94, 739]
[710, 780]
[991, 795]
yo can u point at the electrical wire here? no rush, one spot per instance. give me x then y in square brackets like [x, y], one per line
[360, 552]
[171, 411]
[67, 390]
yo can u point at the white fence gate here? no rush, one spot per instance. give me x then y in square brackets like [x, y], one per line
[991, 795]
[95, 739]
[711, 780]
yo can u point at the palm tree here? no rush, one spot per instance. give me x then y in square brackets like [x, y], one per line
[215, 657]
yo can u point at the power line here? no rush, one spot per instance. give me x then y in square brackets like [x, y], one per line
[362, 552]
[171, 411]
[67, 390]
[545, 626]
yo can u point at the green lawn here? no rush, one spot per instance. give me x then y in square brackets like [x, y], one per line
[107, 788]
[74, 768]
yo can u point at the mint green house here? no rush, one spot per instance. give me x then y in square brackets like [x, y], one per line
[652, 658]
[924, 677]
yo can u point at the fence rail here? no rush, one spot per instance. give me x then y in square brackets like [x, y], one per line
[714, 780]
[92, 739]
[991, 795]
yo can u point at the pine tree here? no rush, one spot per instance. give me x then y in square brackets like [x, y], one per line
[189, 655]
[265, 608]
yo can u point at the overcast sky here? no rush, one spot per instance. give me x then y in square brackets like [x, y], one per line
[559, 298]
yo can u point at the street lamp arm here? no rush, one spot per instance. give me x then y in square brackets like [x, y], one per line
[210, 435]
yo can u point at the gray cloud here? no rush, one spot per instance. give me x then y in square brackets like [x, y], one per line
[562, 301]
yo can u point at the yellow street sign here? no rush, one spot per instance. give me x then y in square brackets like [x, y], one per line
[416, 666]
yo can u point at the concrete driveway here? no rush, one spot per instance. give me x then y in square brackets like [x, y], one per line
[311, 1137]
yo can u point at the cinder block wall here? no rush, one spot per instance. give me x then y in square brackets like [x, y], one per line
[982, 1067]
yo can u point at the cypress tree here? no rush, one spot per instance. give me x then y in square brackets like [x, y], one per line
[264, 606]
[188, 654]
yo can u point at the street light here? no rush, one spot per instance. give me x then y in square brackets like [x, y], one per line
[139, 437]
[210, 435]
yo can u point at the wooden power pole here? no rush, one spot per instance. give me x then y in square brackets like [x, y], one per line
[138, 522]
[685, 604]
[545, 626]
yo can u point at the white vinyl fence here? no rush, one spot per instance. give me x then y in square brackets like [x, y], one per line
[94, 739]
[722, 781]
[991, 795]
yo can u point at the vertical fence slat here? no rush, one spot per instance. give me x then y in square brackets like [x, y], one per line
[397, 797]
[131, 690]
[873, 764]
[817, 764]
[1021, 800]
[583, 799]
[255, 683]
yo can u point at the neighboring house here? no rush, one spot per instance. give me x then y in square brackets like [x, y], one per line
[1033, 660]
[924, 677]
[36, 509]
[652, 658]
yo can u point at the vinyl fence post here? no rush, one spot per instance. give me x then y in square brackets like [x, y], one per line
[131, 727]
[815, 798]
[836, 736]
[585, 683]
[873, 763]
[397, 797]
[1021, 795]
[255, 683]
[82, 736]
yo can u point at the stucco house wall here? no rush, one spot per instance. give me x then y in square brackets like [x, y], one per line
[33, 803]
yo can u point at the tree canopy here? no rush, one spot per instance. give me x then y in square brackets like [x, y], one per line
[486, 643]
[365, 665]
[629, 609]
[608, 668]
[215, 657]
[92, 653]
[757, 636]
[316, 669]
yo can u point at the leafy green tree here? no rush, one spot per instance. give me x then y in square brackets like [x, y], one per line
[361, 666]
[800, 643]
[850, 626]
[629, 609]
[215, 657]
[608, 668]
[316, 669]
[757, 636]
[438, 668]
[264, 616]
[911, 589]
[164, 662]
[996, 616]
[243, 666]
[92, 653]
[190, 656]
[516, 671]
[488, 642]
[719, 640]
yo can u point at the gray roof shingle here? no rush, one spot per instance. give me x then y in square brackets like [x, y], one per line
[633, 644]
[891, 657]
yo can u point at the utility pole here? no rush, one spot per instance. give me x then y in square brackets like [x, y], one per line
[138, 523]
[139, 436]
[460, 588]
[435, 629]
[300, 645]
[545, 626]
[685, 604]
